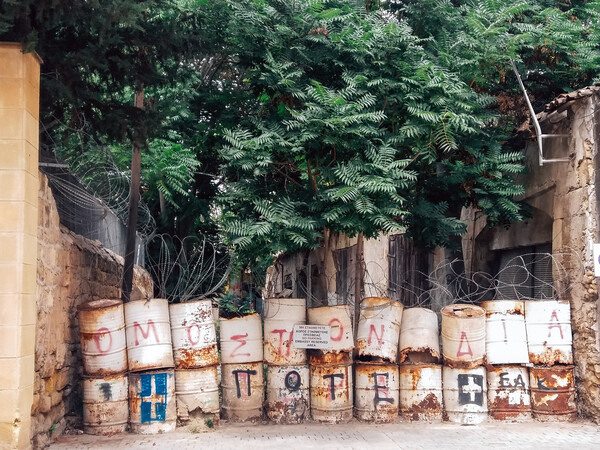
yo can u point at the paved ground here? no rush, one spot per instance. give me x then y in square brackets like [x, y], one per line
[356, 435]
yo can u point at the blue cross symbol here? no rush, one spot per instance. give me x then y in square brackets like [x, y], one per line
[158, 399]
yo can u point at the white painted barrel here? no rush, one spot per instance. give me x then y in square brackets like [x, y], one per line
[465, 395]
[152, 401]
[105, 405]
[288, 395]
[419, 337]
[339, 318]
[197, 392]
[148, 335]
[241, 339]
[553, 393]
[505, 335]
[549, 334]
[463, 335]
[243, 391]
[281, 314]
[421, 396]
[193, 334]
[508, 393]
[378, 329]
[331, 389]
[376, 392]
[102, 334]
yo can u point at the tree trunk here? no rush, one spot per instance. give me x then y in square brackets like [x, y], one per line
[134, 199]
[358, 278]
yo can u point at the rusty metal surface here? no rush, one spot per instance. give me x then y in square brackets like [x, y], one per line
[376, 396]
[549, 333]
[105, 405]
[506, 337]
[378, 329]
[508, 393]
[465, 395]
[280, 316]
[151, 389]
[243, 390]
[241, 339]
[339, 318]
[321, 358]
[331, 392]
[197, 392]
[196, 358]
[102, 336]
[148, 332]
[288, 394]
[419, 341]
[193, 334]
[553, 393]
[463, 336]
[421, 395]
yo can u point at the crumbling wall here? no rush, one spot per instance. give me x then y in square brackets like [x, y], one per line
[71, 270]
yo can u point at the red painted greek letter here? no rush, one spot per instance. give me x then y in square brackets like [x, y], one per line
[193, 341]
[98, 337]
[239, 338]
[145, 334]
[378, 337]
[463, 339]
[554, 316]
[339, 336]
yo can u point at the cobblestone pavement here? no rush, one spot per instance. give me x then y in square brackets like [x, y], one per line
[355, 435]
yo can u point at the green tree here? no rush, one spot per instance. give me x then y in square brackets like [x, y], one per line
[354, 123]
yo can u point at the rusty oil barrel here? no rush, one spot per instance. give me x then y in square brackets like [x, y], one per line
[376, 395]
[243, 390]
[421, 395]
[288, 395]
[331, 386]
[241, 339]
[553, 393]
[505, 335]
[419, 337]
[339, 318]
[463, 335]
[105, 404]
[152, 401]
[148, 333]
[378, 330]
[193, 334]
[197, 392]
[465, 395]
[280, 316]
[102, 334]
[508, 393]
[549, 335]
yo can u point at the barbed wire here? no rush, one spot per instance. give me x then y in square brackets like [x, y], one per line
[186, 269]
[526, 276]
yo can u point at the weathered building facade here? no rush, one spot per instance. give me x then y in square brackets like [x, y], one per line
[550, 255]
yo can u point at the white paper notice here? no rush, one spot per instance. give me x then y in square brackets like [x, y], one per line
[312, 336]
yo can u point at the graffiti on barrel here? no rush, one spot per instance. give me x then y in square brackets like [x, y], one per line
[470, 389]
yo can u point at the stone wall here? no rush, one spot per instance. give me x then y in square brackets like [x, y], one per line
[71, 270]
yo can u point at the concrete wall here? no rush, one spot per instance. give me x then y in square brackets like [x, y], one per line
[71, 270]
[19, 132]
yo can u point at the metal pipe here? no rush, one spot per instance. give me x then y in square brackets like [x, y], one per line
[536, 124]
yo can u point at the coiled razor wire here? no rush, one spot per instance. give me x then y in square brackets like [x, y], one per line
[448, 283]
[187, 269]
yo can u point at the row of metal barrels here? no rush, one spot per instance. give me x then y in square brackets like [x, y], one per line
[382, 331]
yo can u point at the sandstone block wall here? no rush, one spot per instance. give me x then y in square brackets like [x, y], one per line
[71, 270]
